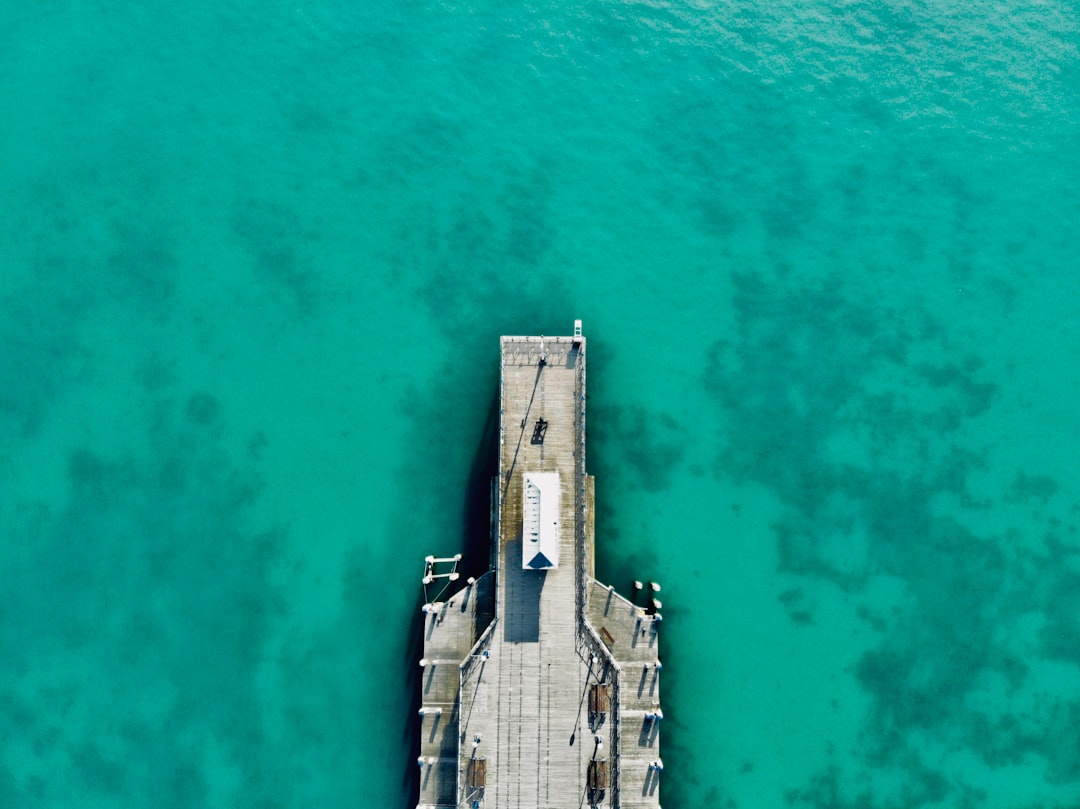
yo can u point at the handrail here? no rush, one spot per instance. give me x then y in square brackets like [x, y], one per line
[592, 639]
[464, 669]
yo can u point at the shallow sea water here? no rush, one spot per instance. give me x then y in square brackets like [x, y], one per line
[254, 262]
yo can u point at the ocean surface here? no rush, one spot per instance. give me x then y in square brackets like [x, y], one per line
[255, 258]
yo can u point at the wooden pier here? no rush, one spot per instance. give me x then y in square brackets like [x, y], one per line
[540, 685]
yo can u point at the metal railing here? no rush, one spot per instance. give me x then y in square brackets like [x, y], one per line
[596, 647]
[582, 517]
[464, 670]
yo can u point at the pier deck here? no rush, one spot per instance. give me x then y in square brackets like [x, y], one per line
[546, 707]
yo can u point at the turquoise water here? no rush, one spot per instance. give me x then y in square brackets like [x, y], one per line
[254, 262]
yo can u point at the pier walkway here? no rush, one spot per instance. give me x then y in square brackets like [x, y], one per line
[553, 704]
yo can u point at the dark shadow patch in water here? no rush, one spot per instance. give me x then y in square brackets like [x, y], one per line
[484, 257]
[40, 335]
[281, 247]
[423, 148]
[143, 260]
[614, 564]
[202, 408]
[1060, 744]
[524, 202]
[98, 239]
[137, 592]
[1032, 487]
[651, 444]
[96, 771]
[10, 793]
[477, 528]
[701, 143]
[410, 783]
[821, 403]
[1060, 636]
[829, 790]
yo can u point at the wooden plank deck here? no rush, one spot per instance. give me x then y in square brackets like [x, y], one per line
[633, 639]
[451, 628]
[516, 703]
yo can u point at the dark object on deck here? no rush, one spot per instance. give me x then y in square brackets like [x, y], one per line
[599, 698]
[478, 773]
[598, 774]
[539, 431]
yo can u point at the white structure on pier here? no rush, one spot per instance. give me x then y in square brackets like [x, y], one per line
[540, 521]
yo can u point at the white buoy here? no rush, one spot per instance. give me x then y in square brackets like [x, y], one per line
[658, 665]
[658, 603]
[655, 586]
[423, 662]
[420, 761]
[470, 581]
[638, 585]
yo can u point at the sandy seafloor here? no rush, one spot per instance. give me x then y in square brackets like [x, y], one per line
[255, 258]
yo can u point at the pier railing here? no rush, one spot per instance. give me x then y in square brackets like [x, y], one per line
[465, 669]
[499, 486]
[581, 516]
[594, 646]
[469, 663]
